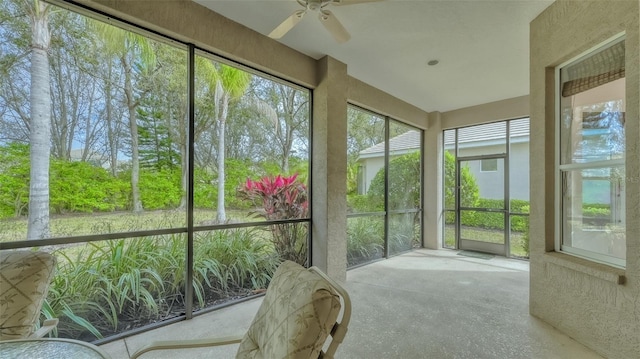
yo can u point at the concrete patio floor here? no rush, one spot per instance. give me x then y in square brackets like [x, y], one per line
[422, 304]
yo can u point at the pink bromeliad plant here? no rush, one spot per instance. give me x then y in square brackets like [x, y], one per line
[282, 197]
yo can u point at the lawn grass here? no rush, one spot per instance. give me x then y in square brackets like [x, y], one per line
[491, 236]
[101, 223]
[114, 222]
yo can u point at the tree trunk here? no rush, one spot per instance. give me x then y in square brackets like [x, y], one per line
[133, 130]
[112, 134]
[184, 165]
[221, 216]
[40, 125]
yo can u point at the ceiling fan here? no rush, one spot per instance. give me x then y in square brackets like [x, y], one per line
[330, 22]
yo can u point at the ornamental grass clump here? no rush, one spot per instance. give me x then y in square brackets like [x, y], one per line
[282, 198]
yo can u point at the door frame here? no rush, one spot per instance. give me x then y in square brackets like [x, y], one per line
[480, 246]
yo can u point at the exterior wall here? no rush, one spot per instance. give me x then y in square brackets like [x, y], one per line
[370, 167]
[190, 22]
[593, 303]
[519, 172]
[519, 162]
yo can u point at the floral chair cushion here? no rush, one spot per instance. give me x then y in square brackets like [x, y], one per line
[295, 318]
[24, 281]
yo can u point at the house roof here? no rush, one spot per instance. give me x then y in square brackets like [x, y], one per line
[409, 140]
[488, 132]
[480, 135]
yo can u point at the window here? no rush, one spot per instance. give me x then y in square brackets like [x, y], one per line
[133, 170]
[489, 165]
[486, 187]
[384, 181]
[591, 169]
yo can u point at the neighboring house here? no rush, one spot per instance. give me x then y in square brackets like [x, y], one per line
[488, 139]
[371, 160]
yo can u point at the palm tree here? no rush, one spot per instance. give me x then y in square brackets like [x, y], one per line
[131, 50]
[174, 83]
[40, 122]
[232, 85]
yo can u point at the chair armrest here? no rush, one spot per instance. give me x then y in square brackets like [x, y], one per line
[182, 344]
[47, 326]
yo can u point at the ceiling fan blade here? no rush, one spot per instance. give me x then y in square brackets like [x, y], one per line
[352, 2]
[334, 26]
[287, 24]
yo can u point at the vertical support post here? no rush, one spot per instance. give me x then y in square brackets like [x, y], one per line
[433, 183]
[191, 130]
[329, 169]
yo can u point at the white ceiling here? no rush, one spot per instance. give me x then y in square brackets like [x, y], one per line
[482, 45]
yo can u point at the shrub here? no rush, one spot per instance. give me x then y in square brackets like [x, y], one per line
[82, 187]
[471, 193]
[282, 198]
[205, 192]
[160, 189]
[232, 258]
[403, 234]
[365, 203]
[111, 286]
[14, 180]
[404, 180]
[365, 239]
[525, 234]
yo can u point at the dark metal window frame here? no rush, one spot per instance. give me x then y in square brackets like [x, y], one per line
[508, 214]
[386, 213]
[189, 229]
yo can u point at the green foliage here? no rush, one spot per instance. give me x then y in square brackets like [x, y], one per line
[404, 173]
[296, 166]
[525, 233]
[104, 287]
[242, 260]
[236, 173]
[352, 178]
[519, 206]
[365, 239]
[78, 187]
[404, 182]
[365, 203]
[160, 189]
[204, 192]
[596, 211]
[403, 232]
[471, 192]
[156, 147]
[492, 220]
[282, 198]
[14, 180]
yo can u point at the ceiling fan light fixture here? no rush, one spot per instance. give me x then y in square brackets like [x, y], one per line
[330, 22]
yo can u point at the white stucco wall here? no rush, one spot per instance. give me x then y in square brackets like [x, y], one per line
[596, 304]
[491, 184]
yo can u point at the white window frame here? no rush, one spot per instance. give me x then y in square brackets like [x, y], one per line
[559, 168]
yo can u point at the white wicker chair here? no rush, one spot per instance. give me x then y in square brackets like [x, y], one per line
[298, 315]
[24, 279]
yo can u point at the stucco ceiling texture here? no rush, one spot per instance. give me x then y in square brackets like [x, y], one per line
[482, 45]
